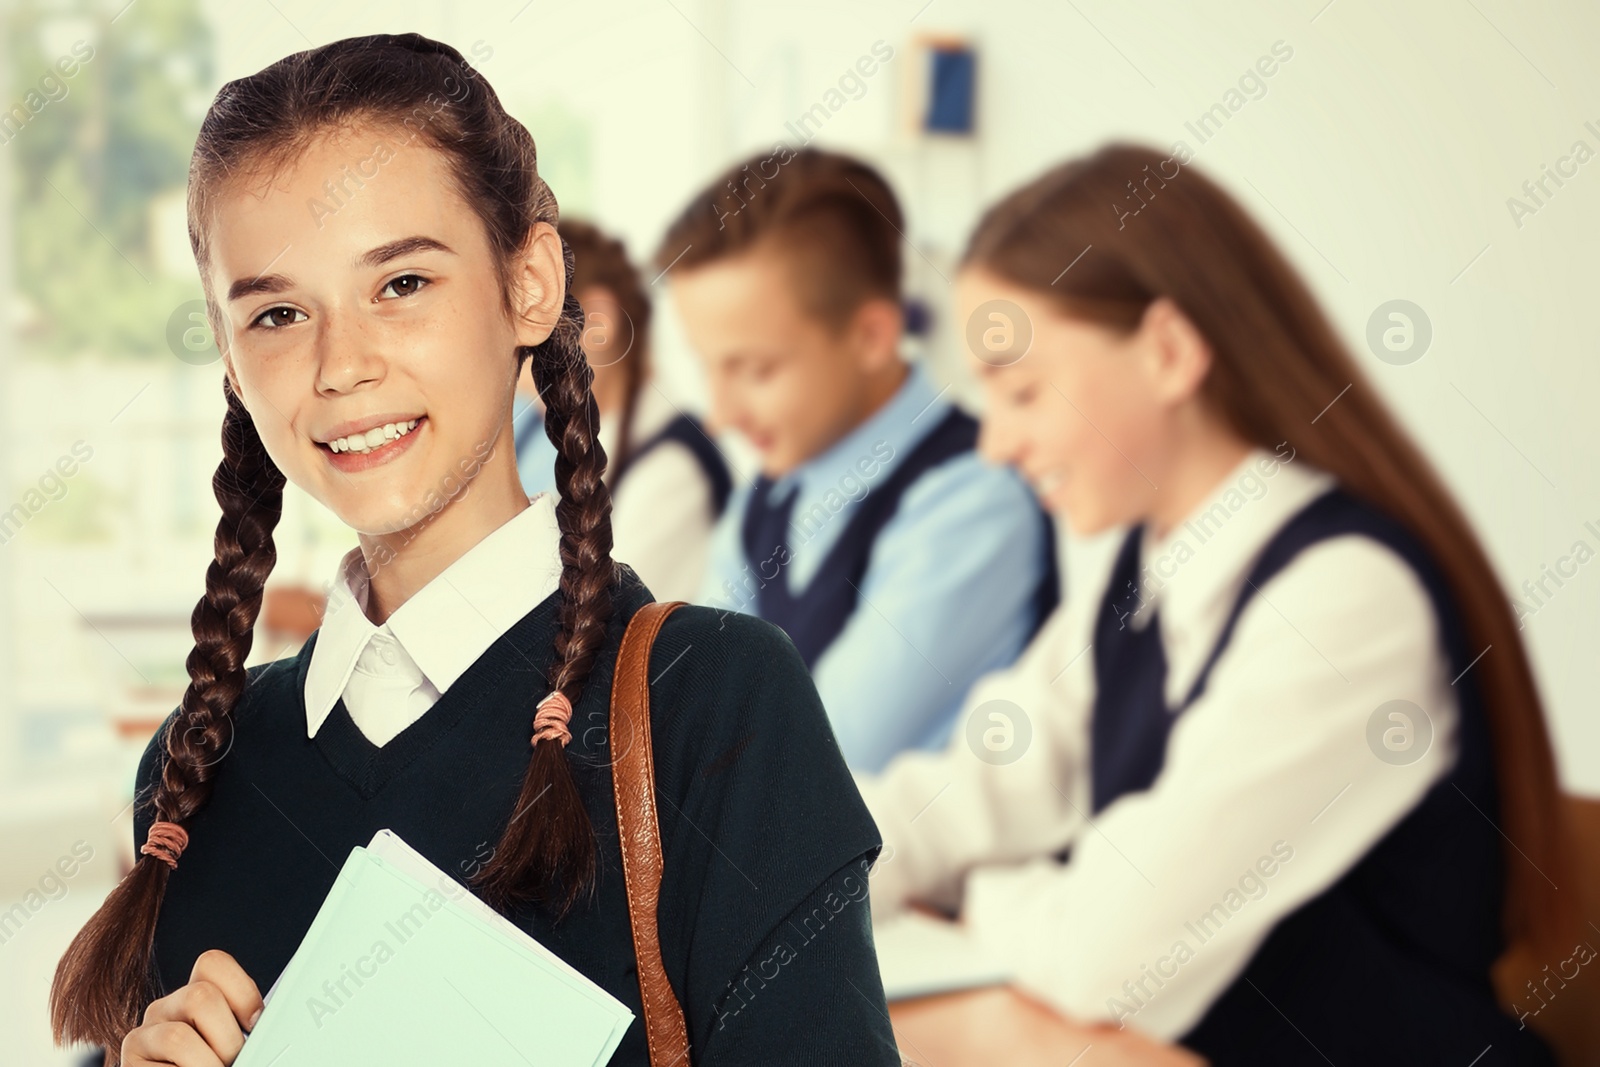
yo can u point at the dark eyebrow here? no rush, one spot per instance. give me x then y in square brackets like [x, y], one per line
[377, 257]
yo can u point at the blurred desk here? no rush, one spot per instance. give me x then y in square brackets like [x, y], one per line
[289, 613]
[981, 1027]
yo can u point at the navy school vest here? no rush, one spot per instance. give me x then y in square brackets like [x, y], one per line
[685, 430]
[814, 617]
[1391, 963]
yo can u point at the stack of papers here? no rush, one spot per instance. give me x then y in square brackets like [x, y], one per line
[919, 956]
[403, 965]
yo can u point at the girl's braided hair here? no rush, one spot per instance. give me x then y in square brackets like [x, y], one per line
[106, 977]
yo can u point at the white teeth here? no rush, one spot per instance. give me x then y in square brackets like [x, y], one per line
[378, 435]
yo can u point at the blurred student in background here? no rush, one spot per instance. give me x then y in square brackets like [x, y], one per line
[668, 482]
[901, 564]
[1276, 739]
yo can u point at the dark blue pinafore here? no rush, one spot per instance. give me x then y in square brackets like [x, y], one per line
[687, 431]
[814, 617]
[1390, 964]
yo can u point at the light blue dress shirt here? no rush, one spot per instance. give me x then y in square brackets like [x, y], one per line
[948, 591]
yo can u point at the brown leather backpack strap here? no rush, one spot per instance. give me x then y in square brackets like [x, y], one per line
[633, 782]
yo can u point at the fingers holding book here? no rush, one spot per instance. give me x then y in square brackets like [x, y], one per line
[202, 1024]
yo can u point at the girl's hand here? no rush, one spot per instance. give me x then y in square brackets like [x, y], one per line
[200, 1025]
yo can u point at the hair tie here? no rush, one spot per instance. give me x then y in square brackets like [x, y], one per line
[166, 842]
[550, 721]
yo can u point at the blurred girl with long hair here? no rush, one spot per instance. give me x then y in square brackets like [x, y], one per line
[669, 481]
[1275, 783]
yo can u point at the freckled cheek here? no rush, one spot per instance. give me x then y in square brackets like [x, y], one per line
[289, 451]
[276, 386]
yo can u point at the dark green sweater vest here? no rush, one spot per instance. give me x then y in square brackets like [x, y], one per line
[764, 918]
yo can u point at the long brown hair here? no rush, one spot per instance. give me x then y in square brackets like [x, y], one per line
[105, 979]
[601, 261]
[1148, 226]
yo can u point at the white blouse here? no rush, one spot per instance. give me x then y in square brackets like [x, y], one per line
[390, 674]
[1270, 790]
[661, 516]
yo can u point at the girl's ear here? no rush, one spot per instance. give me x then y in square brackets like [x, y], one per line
[1178, 354]
[539, 285]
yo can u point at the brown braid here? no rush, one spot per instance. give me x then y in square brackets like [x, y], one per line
[547, 847]
[104, 980]
[424, 88]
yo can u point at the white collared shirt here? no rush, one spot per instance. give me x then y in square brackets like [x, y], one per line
[390, 674]
[661, 514]
[1274, 754]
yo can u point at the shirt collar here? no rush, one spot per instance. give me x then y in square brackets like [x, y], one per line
[1224, 533]
[903, 420]
[448, 623]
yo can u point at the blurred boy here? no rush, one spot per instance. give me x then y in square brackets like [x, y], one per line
[900, 564]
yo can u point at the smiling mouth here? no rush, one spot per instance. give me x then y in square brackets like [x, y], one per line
[373, 439]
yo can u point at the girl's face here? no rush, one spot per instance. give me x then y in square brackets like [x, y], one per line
[609, 338]
[366, 334]
[1092, 418]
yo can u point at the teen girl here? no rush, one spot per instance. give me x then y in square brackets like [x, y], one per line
[371, 350]
[1279, 740]
[668, 481]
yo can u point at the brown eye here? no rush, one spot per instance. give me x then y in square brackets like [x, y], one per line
[276, 318]
[407, 284]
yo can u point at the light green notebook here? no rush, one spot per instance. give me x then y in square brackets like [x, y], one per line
[402, 965]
